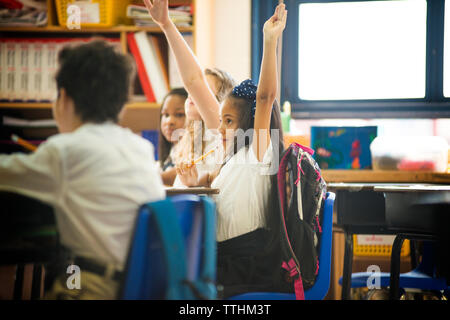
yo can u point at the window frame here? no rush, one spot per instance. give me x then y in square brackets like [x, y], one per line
[433, 105]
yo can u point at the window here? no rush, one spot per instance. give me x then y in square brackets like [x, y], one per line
[362, 50]
[367, 58]
[447, 51]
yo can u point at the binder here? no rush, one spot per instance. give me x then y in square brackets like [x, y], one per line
[152, 65]
[10, 69]
[142, 72]
[174, 74]
[2, 71]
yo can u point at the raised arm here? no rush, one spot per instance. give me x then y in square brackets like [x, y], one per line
[191, 72]
[268, 81]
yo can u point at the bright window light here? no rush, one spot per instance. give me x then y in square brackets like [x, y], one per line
[362, 50]
[447, 50]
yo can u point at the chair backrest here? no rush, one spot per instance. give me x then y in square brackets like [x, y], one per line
[320, 288]
[172, 251]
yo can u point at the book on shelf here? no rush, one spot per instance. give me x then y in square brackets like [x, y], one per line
[174, 74]
[180, 15]
[19, 122]
[151, 58]
[28, 67]
[142, 72]
[23, 13]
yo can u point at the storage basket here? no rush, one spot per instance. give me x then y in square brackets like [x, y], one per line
[105, 13]
[364, 248]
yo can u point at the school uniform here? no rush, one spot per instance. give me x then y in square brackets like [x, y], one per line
[95, 178]
[245, 263]
[169, 162]
[213, 140]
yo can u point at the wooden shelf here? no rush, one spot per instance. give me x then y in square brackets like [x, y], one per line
[47, 105]
[116, 29]
[380, 176]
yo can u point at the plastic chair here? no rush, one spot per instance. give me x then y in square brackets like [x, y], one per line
[422, 277]
[172, 251]
[320, 288]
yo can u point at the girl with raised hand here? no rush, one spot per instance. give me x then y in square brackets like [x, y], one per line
[246, 205]
[205, 92]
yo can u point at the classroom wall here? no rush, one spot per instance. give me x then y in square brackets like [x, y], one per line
[223, 35]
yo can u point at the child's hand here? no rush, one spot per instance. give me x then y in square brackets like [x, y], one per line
[188, 174]
[158, 10]
[275, 25]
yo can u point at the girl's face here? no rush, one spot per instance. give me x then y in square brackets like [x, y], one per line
[229, 122]
[172, 116]
[190, 107]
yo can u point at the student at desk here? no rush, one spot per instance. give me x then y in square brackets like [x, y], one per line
[246, 231]
[94, 173]
[172, 120]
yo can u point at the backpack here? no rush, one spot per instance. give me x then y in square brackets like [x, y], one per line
[301, 193]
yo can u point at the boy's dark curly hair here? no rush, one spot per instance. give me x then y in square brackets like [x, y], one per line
[98, 79]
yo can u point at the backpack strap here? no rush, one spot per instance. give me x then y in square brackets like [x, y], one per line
[173, 250]
[294, 274]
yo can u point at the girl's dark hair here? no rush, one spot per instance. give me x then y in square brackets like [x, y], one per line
[163, 144]
[98, 79]
[246, 121]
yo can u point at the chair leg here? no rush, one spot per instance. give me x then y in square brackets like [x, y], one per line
[347, 272]
[36, 282]
[394, 291]
[18, 283]
[413, 253]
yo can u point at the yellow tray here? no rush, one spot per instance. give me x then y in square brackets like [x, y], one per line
[378, 250]
[111, 12]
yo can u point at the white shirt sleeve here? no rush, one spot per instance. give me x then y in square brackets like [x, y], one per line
[37, 175]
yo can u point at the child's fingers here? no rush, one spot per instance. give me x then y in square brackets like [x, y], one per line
[148, 4]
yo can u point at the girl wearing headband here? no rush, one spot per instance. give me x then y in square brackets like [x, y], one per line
[251, 133]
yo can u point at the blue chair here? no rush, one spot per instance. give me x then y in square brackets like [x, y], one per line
[172, 253]
[320, 288]
[423, 277]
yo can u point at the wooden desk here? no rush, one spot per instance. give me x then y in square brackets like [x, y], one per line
[197, 190]
[381, 176]
[388, 208]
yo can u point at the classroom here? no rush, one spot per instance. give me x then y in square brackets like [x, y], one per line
[225, 150]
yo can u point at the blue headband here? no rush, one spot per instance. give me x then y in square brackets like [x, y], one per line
[247, 90]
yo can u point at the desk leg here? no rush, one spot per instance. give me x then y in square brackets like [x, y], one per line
[18, 283]
[394, 291]
[36, 282]
[348, 261]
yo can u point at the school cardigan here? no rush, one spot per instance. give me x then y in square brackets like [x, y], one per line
[95, 178]
[244, 184]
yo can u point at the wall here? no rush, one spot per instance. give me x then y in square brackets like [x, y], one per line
[223, 35]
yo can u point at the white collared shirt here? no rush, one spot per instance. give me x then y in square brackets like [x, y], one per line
[95, 178]
[243, 199]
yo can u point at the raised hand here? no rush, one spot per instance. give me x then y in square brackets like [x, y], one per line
[274, 27]
[188, 174]
[158, 10]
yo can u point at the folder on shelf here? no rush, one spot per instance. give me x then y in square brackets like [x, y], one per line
[142, 72]
[155, 70]
[174, 74]
[28, 67]
[3, 71]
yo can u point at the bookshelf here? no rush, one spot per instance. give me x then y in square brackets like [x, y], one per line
[137, 115]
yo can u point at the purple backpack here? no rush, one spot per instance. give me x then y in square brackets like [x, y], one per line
[301, 193]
